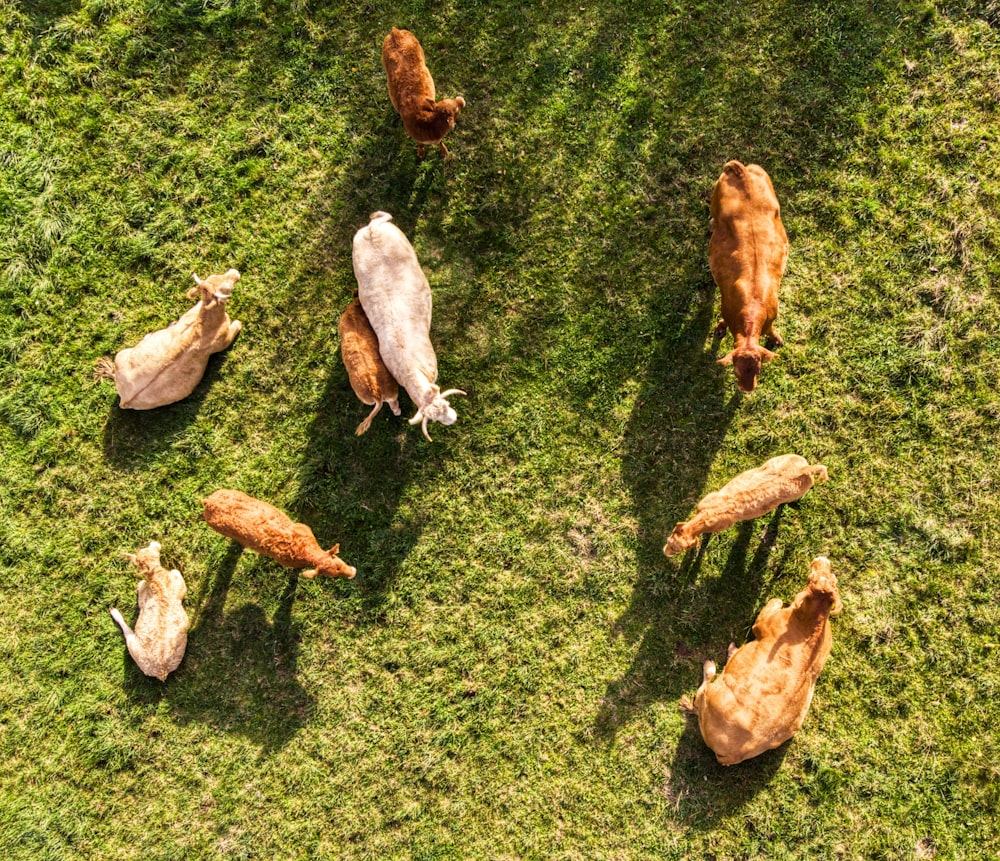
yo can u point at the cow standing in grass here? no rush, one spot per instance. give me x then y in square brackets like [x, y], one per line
[747, 255]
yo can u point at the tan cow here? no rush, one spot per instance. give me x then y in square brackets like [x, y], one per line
[266, 530]
[160, 637]
[760, 699]
[369, 377]
[411, 91]
[747, 255]
[167, 365]
[751, 494]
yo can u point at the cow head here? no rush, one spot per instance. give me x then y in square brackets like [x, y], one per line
[679, 540]
[822, 585]
[215, 287]
[331, 565]
[437, 410]
[746, 362]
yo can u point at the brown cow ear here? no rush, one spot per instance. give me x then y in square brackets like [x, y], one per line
[726, 359]
[766, 355]
[193, 293]
[333, 551]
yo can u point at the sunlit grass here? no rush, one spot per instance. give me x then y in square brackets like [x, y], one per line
[501, 679]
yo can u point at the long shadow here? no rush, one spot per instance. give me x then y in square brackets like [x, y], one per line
[133, 438]
[698, 782]
[686, 404]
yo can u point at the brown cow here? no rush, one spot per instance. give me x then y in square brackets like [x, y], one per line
[411, 91]
[751, 494]
[747, 255]
[265, 529]
[761, 698]
[369, 377]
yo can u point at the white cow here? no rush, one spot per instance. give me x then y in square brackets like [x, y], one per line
[397, 300]
[167, 365]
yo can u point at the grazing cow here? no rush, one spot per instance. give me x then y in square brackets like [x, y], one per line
[411, 91]
[763, 693]
[157, 644]
[749, 495]
[747, 255]
[370, 378]
[167, 365]
[397, 299]
[265, 529]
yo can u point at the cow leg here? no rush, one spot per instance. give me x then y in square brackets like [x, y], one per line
[421, 151]
[762, 627]
[234, 330]
[133, 643]
[444, 151]
[720, 330]
[368, 421]
[394, 406]
[772, 340]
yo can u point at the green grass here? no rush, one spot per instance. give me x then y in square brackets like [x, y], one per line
[501, 679]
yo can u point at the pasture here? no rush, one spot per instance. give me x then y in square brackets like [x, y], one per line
[501, 679]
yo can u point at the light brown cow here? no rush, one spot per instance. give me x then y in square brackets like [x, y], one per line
[160, 637]
[167, 365]
[369, 377]
[747, 255]
[763, 693]
[411, 91]
[751, 494]
[265, 529]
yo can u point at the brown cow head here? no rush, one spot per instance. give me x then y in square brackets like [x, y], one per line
[746, 362]
[331, 565]
[679, 541]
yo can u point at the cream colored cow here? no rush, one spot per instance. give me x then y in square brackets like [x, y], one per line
[751, 494]
[167, 365]
[397, 300]
[160, 636]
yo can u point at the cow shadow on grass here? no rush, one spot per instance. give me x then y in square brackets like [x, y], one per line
[133, 438]
[699, 783]
[239, 670]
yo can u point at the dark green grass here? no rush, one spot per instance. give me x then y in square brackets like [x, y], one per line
[501, 679]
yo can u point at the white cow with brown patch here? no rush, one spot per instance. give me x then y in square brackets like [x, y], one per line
[397, 300]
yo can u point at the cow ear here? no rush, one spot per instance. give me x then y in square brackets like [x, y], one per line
[193, 293]
[333, 551]
[726, 359]
[766, 355]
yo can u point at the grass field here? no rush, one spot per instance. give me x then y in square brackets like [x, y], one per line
[501, 679]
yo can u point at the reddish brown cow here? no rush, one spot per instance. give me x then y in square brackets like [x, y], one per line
[265, 529]
[370, 378]
[747, 255]
[411, 91]
[763, 693]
